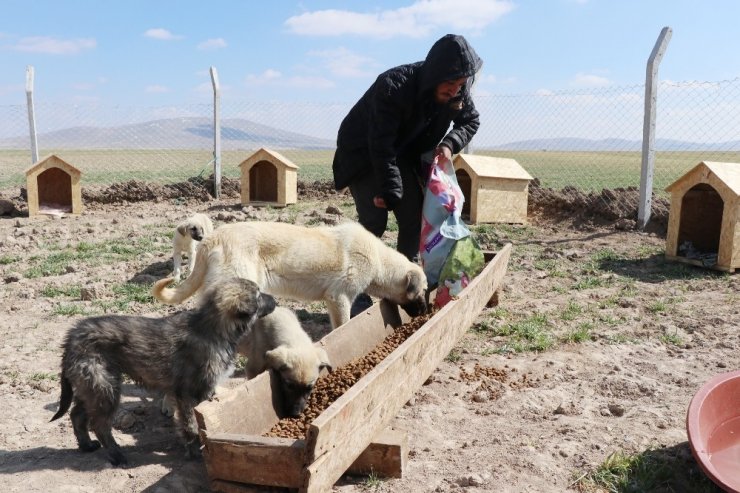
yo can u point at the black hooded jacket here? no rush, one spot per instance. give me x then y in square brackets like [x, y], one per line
[398, 119]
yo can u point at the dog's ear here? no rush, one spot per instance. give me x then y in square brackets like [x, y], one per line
[182, 229]
[324, 362]
[277, 358]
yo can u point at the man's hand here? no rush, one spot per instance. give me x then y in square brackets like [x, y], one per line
[379, 202]
[443, 152]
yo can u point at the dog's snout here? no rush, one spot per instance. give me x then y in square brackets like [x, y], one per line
[267, 303]
[415, 308]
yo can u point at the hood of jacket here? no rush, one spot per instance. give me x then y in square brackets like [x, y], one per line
[449, 58]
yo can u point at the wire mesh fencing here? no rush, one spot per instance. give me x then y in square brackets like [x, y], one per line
[583, 146]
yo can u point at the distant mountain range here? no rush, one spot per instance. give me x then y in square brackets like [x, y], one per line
[575, 144]
[172, 133]
[237, 133]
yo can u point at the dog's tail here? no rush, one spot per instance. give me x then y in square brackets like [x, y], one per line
[66, 400]
[194, 282]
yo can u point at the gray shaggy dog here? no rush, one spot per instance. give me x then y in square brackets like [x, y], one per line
[183, 355]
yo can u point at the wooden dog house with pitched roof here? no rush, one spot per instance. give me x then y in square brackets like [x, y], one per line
[53, 187]
[268, 177]
[496, 189]
[704, 221]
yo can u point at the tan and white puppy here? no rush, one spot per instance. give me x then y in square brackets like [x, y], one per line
[278, 342]
[329, 263]
[187, 235]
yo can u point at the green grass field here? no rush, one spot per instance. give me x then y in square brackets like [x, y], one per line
[588, 171]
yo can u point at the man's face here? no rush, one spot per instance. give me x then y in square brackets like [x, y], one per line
[448, 90]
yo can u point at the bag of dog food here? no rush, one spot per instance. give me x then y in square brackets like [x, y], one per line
[449, 255]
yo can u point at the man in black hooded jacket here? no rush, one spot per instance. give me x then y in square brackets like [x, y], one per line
[407, 112]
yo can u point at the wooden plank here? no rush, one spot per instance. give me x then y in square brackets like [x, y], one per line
[241, 415]
[252, 408]
[258, 460]
[698, 263]
[338, 436]
[249, 409]
[278, 462]
[385, 457]
[362, 333]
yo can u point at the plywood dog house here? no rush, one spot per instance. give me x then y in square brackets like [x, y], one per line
[496, 189]
[704, 221]
[270, 178]
[53, 187]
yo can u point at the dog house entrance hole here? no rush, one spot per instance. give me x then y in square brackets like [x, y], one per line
[701, 222]
[263, 182]
[54, 191]
[463, 179]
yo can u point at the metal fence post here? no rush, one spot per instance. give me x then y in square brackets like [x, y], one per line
[216, 134]
[648, 127]
[31, 115]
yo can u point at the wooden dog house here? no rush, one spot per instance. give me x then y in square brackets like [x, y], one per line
[53, 187]
[268, 177]
[704, 221]
[496, 189]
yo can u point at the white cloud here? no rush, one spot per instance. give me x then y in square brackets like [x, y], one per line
[157, 89]
[308, 82]
[160, 33]
[275, 78]
[54, 46]
[544, 92]
[342, 62]
[213, 44]
[485, 79]
[417, 20]
[590, 80]
[268, 75]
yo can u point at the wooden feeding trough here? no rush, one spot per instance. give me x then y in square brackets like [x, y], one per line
[704, 221]
[269, 178]
[496, 189]
[351, 435]
[53, 187]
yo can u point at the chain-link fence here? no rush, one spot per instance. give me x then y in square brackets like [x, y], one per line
[579, 143]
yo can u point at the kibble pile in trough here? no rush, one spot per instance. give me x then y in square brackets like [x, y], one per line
[330, 387]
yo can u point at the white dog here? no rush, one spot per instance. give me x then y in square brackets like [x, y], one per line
[329, 263]
[278, 342]
[187, 235]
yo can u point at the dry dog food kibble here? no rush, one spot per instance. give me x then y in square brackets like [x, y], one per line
[330, 387]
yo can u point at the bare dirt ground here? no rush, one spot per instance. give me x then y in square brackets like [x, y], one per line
[596, 348]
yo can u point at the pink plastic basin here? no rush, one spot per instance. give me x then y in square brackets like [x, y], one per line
[713, 426]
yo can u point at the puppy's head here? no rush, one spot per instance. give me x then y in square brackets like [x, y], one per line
[191, 229]
[196, 232]
[240, 300]
[416, 287]
[297, 369]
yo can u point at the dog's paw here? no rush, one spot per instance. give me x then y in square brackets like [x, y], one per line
[91, 446]
[168, 405]
[117, 458]
[193, 450]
